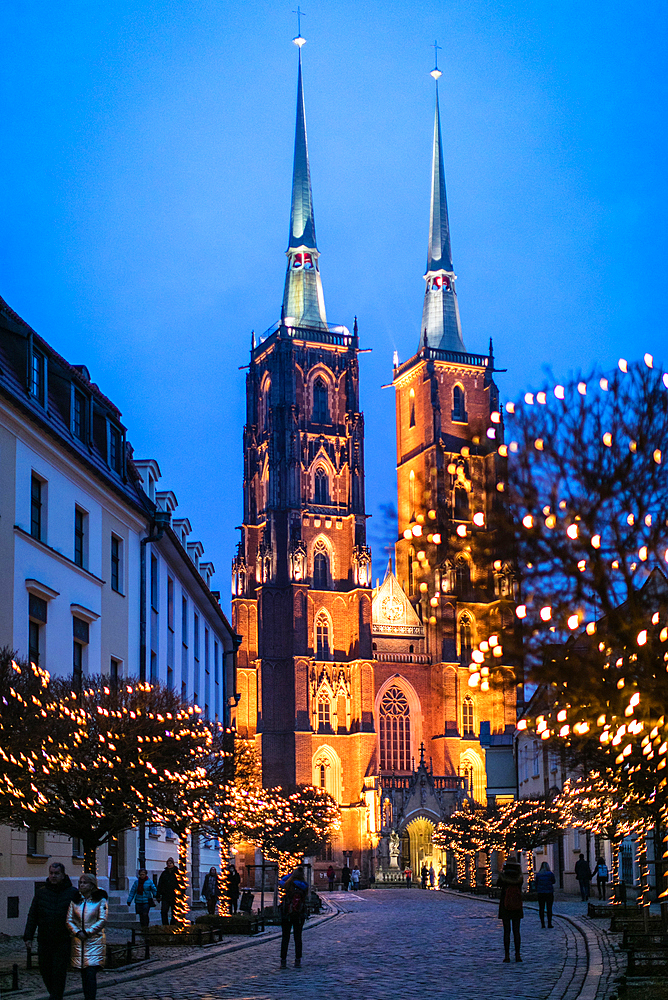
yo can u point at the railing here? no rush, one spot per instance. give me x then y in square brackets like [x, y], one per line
[454, 357]
[402, 657]
[333, 333]
[442, 783]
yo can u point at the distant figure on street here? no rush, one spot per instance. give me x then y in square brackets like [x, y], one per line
[584, 876]
[234, 881]
[408, 875]
[331, 875]
[143, 892]
[601, 874]
[511, 910]
[424, 875]
[86, 918]
[345, 877]
[168, 884]
[48, 916]
[293, 913]
[432, 876]
[355, 877]
[211, 890]
[544, 884]
[442, 879]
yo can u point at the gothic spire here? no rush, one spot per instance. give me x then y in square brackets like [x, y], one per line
[441, 326]
[303, 301]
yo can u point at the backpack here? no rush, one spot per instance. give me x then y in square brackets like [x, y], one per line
[602, 871]
[512, 900]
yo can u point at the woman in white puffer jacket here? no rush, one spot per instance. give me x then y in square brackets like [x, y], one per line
[86, 918]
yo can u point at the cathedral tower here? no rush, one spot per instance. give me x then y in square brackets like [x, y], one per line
[302, 575]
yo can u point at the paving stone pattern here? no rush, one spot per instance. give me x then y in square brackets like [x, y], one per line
[388, 944]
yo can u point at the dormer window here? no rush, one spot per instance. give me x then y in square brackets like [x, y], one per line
[79, 414]
[38, 377]
[115, 453]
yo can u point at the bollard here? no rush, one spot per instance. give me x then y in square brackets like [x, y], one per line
[134, 935]
[15, 976]
[146, 951]
[28, 959]
[128, 952]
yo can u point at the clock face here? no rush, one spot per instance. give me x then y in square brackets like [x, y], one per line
[392, 609]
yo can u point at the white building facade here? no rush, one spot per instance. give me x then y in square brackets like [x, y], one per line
[97, 577]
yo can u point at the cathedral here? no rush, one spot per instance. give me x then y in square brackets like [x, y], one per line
[367, 692]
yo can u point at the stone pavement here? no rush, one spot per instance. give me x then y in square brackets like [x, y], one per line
[388, 943]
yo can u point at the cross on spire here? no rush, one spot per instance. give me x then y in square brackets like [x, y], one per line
[300, 14]
[436, 71]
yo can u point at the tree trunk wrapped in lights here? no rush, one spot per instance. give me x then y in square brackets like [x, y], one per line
[181, 908]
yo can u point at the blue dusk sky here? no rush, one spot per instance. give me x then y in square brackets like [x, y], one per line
[145, 195]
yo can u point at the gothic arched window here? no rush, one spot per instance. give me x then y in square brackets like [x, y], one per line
[465, 637]
[411, 578]
[411, 493]
[395, 731]
[321, 486]
[320, 571]
[323, 776]
[320, 402]
[467, 717]
[461, 504]
[323, 649]
[411, 399]
[462, 578]
[459, 405]
[324, 714]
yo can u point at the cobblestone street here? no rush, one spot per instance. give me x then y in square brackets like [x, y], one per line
[389, 944]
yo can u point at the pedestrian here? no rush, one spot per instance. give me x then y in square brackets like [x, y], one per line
[345, 877]
[233, 883]
[48, 916]
[601, 873]
[510, 905]
[331, 875]
[143, 892]
[432, 876]
[293, 913]
[408, 875]
[86, 918]
[584, 877]
[210, 890]
[355, 877]
[424, 875]
[442, 879]
[168, 885]
[544, 884]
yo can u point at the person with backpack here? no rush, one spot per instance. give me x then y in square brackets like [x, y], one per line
[511, 910]
[293, 913]
[544, 883]
[601, 873]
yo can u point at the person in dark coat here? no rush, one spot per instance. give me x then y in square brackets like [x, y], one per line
[168, 884]
[345, 877]
[584, 876]
[293, 913]
[331, 875]
[234, 882]
[544, 885]
[211, 890]
[511, 910]
[424, 875]
[48, 916]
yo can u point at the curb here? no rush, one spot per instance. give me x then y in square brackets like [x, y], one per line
[210, 951]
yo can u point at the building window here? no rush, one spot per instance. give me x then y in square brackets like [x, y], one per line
[320, 571]
[459, 405]
[320, 402]
[154, 583]
[116, 564]
[321, 486]
[462, 578]
[196, 658]
[411, 578]
[36, 501]
[395, 732]
[411, 403]
[536, 759]
[322, 637]
[38, 377]
[115, 449]
[36, 621]
[115, 671]
[411, 494]
[79, 424]
[461, 504]
[323, 776]
[77, 847]
[324, 716]
[467, 717]
[465, 637]
[80, 525]
[80, 639]
[154, 666]
[216, 668]
[184, 648]
[32, 838]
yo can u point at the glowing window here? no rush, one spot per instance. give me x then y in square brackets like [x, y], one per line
[395, 732]
[322, 638]
[465, 637]
[467, 717]
[324, 716]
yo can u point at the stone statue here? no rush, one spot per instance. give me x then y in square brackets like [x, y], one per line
[395, 848]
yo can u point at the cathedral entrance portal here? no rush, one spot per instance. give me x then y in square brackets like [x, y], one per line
[420, 847]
